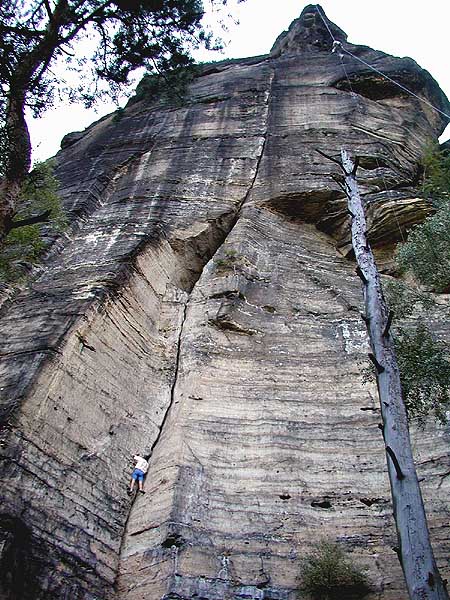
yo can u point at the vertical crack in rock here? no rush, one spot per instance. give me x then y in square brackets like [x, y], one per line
[166, 414]
[226, 224]
[263, 147]
[231, 226]
[175, 377]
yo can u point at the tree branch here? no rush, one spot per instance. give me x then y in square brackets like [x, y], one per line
[338, 162]
[378, 367]
[394, 459]
[388, 323]
[361, 275]
[49, 10]
[42, 218]
[23, 31]
[84, 22]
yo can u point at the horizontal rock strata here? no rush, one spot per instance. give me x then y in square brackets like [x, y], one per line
[202, 310]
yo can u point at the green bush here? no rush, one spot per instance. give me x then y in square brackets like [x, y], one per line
[24, 245]
[423, 360]
[426, 253]
[118, 115]
[229, 261]
[404, 300]
[424, 372]
[170, 86]
[436, 175]
[326, 574]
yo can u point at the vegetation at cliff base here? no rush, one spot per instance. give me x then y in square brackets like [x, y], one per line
[327, 574]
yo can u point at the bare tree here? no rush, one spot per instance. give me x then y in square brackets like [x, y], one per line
[422, 577]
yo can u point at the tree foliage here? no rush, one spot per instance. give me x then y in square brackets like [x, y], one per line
[169, 86]
[425, 373]
[436, 175]
[426, 253]
[25, 244]
[102, 40]
[424, 360]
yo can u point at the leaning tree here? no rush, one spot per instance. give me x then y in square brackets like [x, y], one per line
[104, 40]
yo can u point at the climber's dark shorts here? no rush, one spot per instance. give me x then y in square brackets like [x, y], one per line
[138, 474]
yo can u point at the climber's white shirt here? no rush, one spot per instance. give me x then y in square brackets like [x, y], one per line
[141, 463]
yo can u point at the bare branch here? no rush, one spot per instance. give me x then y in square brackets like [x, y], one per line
[330, 158]
[49, 10]
[388, 324]
[42, 218]
[395, 462]
[378, 367]
[361, 275]
[365, 318]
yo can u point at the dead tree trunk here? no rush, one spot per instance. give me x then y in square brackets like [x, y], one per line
[414, 548]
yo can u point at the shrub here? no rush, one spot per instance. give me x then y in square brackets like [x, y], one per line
[170, 86]
[229, 261]
[118, 115]
[436, 175]
[426, 253]
[24, 245]
[423, 360]
[326, 574]
[424, 373]
[404, 300]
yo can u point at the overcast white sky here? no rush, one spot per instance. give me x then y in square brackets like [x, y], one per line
[399, 27]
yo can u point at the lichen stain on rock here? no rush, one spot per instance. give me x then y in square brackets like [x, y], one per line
[354, 337]
[204, 309]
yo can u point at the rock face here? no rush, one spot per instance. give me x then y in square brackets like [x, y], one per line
[203, 311]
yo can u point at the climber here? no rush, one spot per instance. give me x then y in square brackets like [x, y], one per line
[139, 472]
[337, 48]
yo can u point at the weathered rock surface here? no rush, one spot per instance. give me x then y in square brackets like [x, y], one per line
[202, 311]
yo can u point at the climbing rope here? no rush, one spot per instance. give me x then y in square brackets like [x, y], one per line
[339, 50]
[402, 87]
[337, 45]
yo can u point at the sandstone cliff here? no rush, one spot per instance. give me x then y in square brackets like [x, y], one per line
[204, 309]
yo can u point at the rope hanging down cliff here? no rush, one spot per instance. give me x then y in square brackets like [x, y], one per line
[337, 46]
